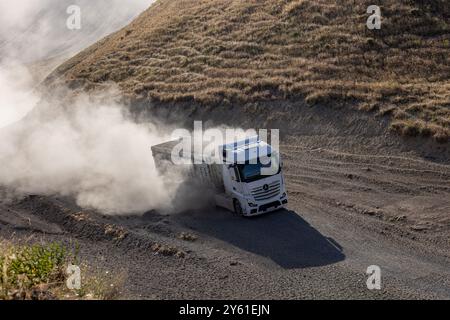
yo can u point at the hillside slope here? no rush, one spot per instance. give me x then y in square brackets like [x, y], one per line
[235, 52]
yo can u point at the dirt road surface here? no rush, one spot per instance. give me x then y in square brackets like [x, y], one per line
[346, 212]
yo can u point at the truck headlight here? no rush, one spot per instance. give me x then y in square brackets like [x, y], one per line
[251, 204]
[283, 195]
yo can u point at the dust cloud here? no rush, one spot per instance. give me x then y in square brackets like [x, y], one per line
[17, 97]
[34, 39]
[86, 148]
[89, 150]
[33, 30]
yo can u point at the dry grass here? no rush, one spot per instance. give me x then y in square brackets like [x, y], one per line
[186, 236]
[320, 51]
[167, 250]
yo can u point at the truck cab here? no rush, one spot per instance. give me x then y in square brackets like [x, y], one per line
[246, 179]
[253, 178]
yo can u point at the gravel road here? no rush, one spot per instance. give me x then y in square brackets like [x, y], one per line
[346, 212]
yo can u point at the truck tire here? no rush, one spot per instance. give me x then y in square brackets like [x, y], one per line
[238, 208]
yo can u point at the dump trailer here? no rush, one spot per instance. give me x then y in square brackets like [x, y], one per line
[247, 178]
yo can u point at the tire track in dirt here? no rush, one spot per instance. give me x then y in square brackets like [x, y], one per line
[335, 227]
[360, 184]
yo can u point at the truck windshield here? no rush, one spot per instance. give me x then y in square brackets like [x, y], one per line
[253, 172]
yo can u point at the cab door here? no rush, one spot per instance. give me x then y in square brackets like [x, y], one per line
[236, 184]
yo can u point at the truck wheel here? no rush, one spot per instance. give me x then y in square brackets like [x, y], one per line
[238, 208]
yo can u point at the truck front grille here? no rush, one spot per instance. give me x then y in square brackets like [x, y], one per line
[260, 194]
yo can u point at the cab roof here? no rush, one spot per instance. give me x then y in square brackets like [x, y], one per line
[245, 150]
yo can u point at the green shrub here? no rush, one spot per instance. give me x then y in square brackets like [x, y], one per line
[32, 265]
[38, 272]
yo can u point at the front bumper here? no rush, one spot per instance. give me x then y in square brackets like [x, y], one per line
[267, 207]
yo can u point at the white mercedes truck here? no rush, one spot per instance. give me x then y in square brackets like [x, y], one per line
[248, 179]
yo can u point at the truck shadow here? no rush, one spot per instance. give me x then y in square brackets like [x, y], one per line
[282, 236]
